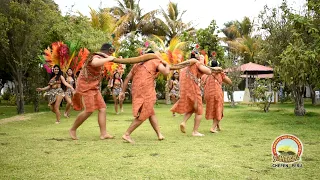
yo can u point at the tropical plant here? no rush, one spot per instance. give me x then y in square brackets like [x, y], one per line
[129, 18]
[173, 25]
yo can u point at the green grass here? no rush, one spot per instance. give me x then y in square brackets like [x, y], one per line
[39, 149]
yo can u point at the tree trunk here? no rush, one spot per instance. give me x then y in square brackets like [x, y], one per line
[231, 98]
[36, 103]
[299, 109]
[19, 93]
[313, 95]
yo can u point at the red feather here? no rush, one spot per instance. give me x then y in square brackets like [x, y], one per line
[82, 57]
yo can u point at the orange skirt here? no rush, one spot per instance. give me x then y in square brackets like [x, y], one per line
[214, 106]
[89, 103]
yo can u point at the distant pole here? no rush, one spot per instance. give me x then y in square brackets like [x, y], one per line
[247, 83]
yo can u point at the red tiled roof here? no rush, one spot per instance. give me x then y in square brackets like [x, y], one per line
[252, 67]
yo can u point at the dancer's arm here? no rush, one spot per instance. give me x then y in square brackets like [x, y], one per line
[227, 80]
[63, 80]
[43, 89]
[204, 69]
[110, 83]
[96, 62]
[125, 85]
[164, 68]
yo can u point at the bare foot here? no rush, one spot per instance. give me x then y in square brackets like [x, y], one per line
[197, 134]
[107, 136]
[73, 134]
[213, 130]
[127, 138]
[218, 128]
[183, 128]
[160, 137]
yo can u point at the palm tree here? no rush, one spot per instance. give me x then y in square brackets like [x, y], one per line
[129, 18]
[239, 39]
[173, 25]
[102, 20]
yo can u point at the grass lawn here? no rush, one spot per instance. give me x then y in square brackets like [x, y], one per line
[33, 147]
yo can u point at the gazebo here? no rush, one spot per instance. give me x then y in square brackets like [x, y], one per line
[253, 70]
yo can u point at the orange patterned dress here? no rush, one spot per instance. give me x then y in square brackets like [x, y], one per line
[190, 95]
[88, 95]
[143, 88]
[213, 95]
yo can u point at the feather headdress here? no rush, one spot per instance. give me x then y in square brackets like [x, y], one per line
[66, 55]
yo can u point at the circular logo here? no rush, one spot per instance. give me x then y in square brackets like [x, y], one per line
[287, 148]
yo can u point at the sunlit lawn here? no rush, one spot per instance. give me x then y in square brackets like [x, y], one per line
[36, 148]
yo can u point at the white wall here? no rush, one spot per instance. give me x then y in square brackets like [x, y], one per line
[237, 96]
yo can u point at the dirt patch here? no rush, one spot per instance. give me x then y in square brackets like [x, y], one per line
[23, 117]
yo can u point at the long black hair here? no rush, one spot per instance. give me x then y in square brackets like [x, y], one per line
[58, 75]
[114, 78]
[172, 77]
[72, 75]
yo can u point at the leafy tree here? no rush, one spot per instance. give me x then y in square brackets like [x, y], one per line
[209, 41]
[79, 29]
[234, 73]
[26, 25]
[263, 92]
[294, 69]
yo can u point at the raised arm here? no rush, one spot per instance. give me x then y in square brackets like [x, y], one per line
[204, 69]
[96, 62]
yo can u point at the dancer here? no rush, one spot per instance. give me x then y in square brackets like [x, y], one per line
[55, 93]
[174, 88]
[144, 94]
[68, 93]
[88, 96]
[116, 85]
[190, 96]
[213, 95]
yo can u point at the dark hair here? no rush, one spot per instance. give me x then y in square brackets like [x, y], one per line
[150, 52]
[53, 74]
[72, 75]
[106, 47]
[193, 54]
[214, 63]
[172, 77]
[114, 78]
